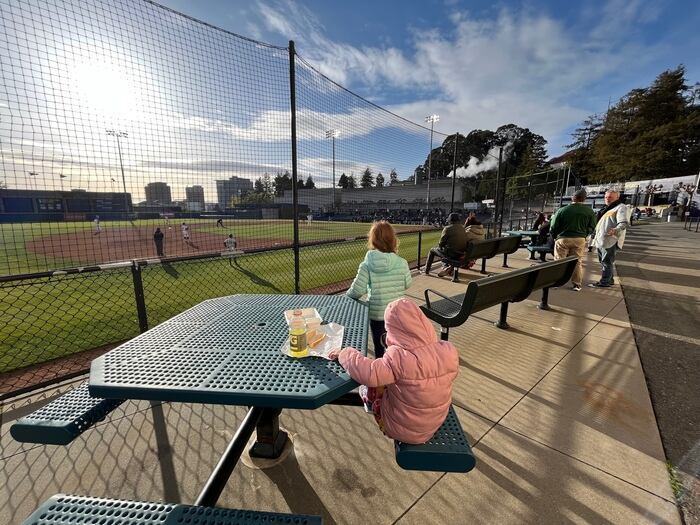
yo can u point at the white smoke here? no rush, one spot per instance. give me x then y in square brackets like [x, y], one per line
[488, 163]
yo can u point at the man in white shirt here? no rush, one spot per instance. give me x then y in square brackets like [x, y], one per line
[610, 236]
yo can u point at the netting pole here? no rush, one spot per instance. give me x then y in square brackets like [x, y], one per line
[454, 175]
[498, 193]
[139, 296]
[295, 192]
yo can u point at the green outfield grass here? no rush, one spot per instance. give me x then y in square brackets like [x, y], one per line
[15, 258]
[50, 318]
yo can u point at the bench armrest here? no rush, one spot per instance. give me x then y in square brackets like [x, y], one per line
[427, 298]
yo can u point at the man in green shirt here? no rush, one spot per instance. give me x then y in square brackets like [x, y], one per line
[570, 226]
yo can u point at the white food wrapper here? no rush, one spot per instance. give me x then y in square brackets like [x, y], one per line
[333, 341]
[306, 313]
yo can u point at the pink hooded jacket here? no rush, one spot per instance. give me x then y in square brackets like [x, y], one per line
[417, 370]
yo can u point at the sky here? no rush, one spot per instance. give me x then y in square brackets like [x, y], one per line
[545, 65]
[197, 104]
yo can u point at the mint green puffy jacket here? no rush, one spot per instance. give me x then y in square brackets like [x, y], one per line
[384, 277]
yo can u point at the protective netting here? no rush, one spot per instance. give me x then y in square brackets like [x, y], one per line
[156, 150]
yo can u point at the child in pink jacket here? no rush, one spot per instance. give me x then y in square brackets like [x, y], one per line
[416, 371]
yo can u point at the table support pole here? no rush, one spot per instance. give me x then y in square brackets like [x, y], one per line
[222, 472]
[270, 440]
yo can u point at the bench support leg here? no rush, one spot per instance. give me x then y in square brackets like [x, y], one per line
[222, 472]
[532, 256]
[483, 265]
[455, 274]
[503, 319]
[270, 440]
[444, 333]
[505, 261]
[544, 303]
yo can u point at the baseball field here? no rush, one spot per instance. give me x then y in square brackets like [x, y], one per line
[43, 319]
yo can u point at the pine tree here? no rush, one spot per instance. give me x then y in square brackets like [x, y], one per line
[343, 181]
[352, 183]
[393, 177]
[367, 181]
[379, 181]
[310, 184]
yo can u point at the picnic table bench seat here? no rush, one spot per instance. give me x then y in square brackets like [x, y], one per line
[542, 249]
[62, 508]
[64, 418]
[447, 451]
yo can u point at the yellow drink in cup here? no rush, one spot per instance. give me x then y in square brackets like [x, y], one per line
[297, 338]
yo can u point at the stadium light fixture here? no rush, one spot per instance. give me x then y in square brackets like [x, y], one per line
[432, 119]
[333, 134]
[32, 174]
[121, 134]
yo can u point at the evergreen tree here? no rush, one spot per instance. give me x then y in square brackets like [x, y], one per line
[352, 183]
[379, 180]
[343, 181]
[283, 181]
[367, 181]
[309, 183]
[393, 177]
[300, 184]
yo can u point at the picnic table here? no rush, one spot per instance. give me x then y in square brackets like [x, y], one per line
[532, 234]
[227, 351]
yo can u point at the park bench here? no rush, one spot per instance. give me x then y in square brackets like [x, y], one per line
[62, 508]
[484, 250]
[503, 289]
[64, 419]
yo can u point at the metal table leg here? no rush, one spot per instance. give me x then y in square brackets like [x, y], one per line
[270, 440]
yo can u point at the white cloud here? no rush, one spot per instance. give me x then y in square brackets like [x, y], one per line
[518, 66]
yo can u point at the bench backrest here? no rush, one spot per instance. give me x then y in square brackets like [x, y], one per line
[510, 287]
[491, 247]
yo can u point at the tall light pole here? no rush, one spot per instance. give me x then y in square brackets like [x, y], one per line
[118, 134]
[332, 134]
[432, 119]
[61, 176]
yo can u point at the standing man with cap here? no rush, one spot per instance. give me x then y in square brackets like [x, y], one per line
[570, 226]
[610, 235]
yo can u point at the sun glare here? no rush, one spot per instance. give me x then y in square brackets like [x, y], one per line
[104, 88]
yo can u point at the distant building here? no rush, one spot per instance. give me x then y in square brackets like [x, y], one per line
[158, 193]
[194, 198]
[227, 189]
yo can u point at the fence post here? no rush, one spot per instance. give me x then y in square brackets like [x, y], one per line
[139, 296]
[420, 240]
[295, 193]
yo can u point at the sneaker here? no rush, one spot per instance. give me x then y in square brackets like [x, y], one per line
[446, 271]
[599, 285]
[576, 288]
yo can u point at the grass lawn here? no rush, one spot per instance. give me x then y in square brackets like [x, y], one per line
[49, 318]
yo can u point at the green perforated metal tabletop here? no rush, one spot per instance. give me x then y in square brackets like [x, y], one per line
[227, 351]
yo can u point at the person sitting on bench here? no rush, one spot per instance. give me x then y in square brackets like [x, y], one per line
[410, 387]
[475, 232]
[451, 246]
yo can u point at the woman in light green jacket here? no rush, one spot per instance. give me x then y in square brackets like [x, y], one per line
[383, 276]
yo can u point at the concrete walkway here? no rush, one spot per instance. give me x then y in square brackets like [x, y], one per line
[556, 407]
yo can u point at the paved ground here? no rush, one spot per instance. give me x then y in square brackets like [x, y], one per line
[557, 410]
[660, 270]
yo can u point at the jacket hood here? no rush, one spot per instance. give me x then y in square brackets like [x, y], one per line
[380, 262]
[475, 228]
[406, 326]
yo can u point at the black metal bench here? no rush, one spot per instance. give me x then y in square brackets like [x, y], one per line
[447, 451]
[484, 250]
[62, 508]
[503, 289]
[64, 419]
[543, 250]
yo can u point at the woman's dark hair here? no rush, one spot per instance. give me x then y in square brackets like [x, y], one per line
[472, 221]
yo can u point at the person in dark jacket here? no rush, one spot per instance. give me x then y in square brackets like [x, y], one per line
[158, 240]
[451, 246]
